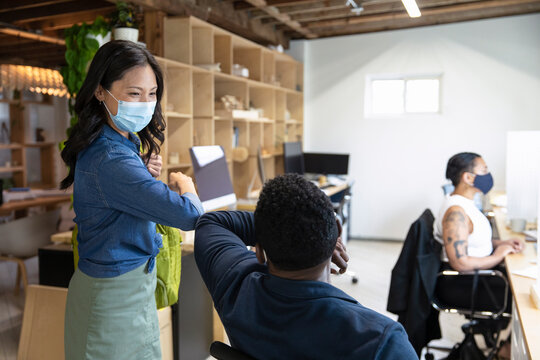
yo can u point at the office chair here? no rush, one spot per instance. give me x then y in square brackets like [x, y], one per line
[487, 317]
[223, 351]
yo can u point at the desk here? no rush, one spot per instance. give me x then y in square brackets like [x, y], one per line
[251, 204]
[525, 317]
[47, 201]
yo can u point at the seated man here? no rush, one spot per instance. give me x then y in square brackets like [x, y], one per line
[278, 303]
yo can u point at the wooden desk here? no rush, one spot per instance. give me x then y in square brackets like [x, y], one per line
[251, 204]
[47, 201]
[65, 238]
[525, 317]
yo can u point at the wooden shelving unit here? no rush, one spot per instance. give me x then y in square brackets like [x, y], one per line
[273, 89]
[19, 150]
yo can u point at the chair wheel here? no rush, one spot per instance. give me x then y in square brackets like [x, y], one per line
[429, 356]
[354, 280]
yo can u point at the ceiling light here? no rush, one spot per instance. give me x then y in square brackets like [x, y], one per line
[412, 8]
[355, 8]
[35, 79]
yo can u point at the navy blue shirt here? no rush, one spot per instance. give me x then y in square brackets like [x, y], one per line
[117, 204]
[269, 317]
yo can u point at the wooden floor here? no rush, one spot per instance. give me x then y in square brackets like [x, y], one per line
[372, 261]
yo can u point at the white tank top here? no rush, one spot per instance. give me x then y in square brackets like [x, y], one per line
[479, 241]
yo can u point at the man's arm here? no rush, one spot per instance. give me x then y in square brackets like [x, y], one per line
[221, 238]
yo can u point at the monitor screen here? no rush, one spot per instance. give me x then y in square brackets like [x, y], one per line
[319, 163]
[212, 176]
[293, 159]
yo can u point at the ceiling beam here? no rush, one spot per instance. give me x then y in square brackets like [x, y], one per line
[246, 5]
[299, 9]
[12, 5]
[283, 18]
[370, 8]
[221, 14]
[461, 8]
[33, 36]
[434, 16]
[43, 12]
[63, 21]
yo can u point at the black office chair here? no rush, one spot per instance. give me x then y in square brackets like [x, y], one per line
[488, 315]
[421, 287]
[223, 351]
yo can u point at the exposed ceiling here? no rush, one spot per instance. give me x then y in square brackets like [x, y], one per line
[31, 31]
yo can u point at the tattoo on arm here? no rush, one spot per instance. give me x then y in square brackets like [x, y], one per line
[457, 245]
[452, 222]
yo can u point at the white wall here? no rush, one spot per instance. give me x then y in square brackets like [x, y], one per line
[490, 85]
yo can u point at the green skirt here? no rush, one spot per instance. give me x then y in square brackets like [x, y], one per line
[112, 318]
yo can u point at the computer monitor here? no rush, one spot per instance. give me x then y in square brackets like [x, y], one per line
[212, 176]
[320, 163]
[293, 158]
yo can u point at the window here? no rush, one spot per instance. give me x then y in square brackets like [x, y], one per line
[402, 95]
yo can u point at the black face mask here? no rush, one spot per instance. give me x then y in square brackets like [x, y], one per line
[484, 183]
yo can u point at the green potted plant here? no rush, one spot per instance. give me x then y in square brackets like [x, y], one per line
[125, 22]
[82, 43]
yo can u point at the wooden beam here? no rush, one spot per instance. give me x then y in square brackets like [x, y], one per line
[12, 5]
[370, 8]
[63, 21]
[466, 12]
[284, 18]
[43, 12]
[463, 8]
[153, 31]
[303, 9]
[221, 14]
[30, 35]
[246, 5]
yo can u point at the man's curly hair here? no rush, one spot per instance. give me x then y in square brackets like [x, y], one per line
[295, 223]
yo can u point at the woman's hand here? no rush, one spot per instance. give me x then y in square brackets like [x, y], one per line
[154, 164]
[515, 243]
[181, 183]
[504, 249]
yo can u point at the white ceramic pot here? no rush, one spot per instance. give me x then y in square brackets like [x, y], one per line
[124, 33]
[101, 39]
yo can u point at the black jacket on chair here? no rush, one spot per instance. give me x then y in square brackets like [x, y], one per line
[413, 283]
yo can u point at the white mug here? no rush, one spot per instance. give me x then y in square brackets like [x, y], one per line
[518, 225]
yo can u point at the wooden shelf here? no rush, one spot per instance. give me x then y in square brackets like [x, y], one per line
[192, 92]
[178, 166]
[12, 146]
[39, 145]
[173, 114]
[11, 169]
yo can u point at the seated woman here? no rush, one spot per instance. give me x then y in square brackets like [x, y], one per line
[466, 233]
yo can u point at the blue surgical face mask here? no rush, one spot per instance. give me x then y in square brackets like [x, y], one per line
[132, 116]
[484, 183]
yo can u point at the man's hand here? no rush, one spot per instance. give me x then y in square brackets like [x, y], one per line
[181, 183]
[154, 164]
[340, 257]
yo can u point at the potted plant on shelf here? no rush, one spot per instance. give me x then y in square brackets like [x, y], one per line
[82, 43]
[124, 21]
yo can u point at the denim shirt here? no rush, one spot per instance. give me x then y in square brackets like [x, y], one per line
[117, 204]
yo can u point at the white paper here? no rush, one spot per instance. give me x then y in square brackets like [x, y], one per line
[531, 272]
[207, 154]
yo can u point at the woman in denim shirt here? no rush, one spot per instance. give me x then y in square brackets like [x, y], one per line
[111, 311]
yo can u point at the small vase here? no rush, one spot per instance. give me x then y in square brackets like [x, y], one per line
[124, 33]
[100, 39]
